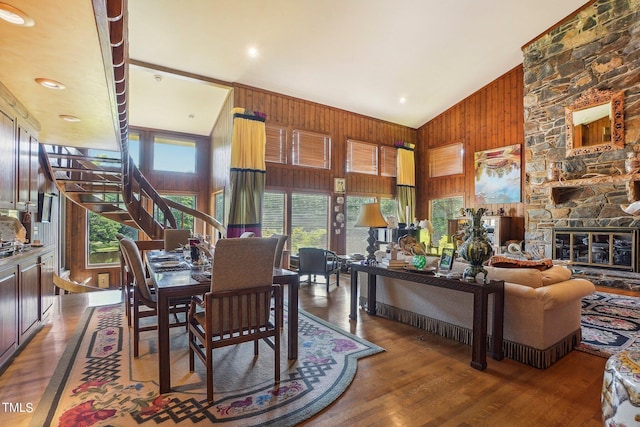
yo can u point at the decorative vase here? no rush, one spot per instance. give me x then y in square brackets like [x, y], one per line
[632, 163]
[476, 249]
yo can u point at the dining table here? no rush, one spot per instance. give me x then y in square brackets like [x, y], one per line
[174, 277]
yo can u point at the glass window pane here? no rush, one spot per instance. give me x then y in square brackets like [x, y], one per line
[134, 148]
[442, 210]
[273, 212]
[356, 237]
[309, 221]
[174, 155]
[182, 220]
[219, 207]
[103, 247]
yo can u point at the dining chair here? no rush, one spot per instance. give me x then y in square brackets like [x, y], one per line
[238, 307]
[175, 238]
[282, 240]
[318, 262]
[144, 300]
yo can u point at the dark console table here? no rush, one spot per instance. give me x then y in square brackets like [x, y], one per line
[480, 293]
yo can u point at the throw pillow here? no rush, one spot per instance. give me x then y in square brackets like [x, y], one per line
[506, 262]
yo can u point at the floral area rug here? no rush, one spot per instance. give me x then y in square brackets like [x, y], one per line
[99, 382]
[610, 323]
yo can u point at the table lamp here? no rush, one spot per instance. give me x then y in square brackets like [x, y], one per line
[371, 217]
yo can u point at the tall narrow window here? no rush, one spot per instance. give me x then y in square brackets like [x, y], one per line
[309, 221]
[362, 157]
[442, 210]
[172, 154]
[311, 149]
[219, 206]
[134, 147]
[273, 213]
[276, 148]
[356, 237]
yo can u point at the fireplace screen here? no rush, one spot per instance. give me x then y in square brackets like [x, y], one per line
[597, 247]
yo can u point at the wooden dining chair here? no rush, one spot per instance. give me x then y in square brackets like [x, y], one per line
[144, 300]
[176, 238]
[282, 240]
[238, 307]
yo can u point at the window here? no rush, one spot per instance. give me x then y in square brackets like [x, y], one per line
[218, 201]
[356, 237]
[102, 243]
[134, 147]
[309, 221]
[273, 213]
[442, 210]
[172, 154]
[447, 160]
[276, 147]
[362, 157]
[183, 220]
[388, 163]
[311, 149]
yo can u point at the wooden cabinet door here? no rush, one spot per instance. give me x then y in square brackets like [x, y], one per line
[8, 313]
[24, 167]
[29, 298]
[7, 162]
[47, 289]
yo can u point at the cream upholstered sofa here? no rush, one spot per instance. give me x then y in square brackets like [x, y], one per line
[541, 314]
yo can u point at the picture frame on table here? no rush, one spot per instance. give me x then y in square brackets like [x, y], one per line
[446, 261]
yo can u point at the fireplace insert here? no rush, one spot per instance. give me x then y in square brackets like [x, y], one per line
[604, 247]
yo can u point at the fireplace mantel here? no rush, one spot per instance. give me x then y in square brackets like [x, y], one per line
[563, 190]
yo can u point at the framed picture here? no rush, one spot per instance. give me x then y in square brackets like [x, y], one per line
[498, 175]
[339, 185]
[45, 200]
[446, 260]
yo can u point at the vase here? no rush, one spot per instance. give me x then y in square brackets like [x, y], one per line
[419, 262]
[476, 249]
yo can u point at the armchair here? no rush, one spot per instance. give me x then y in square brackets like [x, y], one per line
[239, 305]
[316, 261]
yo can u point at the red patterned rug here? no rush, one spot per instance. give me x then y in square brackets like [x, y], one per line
[98, 382]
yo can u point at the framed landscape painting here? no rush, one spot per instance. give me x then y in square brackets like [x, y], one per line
[498, 175]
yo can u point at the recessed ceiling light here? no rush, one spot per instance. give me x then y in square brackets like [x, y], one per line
[15, 16]
[403, 100]
[50, 84]
[69, 118]
[252, 52]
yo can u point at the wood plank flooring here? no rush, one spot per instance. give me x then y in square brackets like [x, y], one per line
[420, 380]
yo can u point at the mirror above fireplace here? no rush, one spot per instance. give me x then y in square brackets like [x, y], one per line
[595, 122]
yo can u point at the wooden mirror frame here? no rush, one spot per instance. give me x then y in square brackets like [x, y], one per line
[593, 98]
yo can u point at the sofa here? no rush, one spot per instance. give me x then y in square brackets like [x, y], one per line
[542, 310]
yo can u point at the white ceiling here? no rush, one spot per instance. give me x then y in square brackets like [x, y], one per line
[358, 55]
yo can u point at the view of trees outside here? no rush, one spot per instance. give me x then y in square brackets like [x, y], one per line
[182, 220]
[442, 210]
[273, 209]
[103, 244]
[356, 237]
[309, 221]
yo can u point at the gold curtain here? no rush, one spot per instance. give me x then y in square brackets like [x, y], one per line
[406, 185]
[247, 177]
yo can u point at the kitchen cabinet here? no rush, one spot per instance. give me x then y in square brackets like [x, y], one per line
[28, 297]
[27, 164]
[47, 289]
[8, 312]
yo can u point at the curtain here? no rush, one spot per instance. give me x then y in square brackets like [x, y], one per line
[247, 177]
[406, 184]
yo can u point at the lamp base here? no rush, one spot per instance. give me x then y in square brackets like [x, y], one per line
[371, 240]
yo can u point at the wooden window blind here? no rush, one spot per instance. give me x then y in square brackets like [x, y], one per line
[362, 157]
[447, 160]
[311, 149]
[276, 147]
[388, 162]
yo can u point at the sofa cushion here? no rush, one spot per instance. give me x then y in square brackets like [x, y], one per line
[507, 262]
[522, 276]
[555, 274]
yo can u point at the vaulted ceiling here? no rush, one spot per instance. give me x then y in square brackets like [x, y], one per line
[363, 56]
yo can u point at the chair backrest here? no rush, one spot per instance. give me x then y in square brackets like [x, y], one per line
[282, 240]
[312, 260]
[242, 263]
[247, 234]
[136, 266]
[174, 238]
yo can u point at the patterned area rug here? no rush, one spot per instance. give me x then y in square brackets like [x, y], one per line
[98, 382]
[610, 323]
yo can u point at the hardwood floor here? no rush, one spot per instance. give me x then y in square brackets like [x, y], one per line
[420, 380]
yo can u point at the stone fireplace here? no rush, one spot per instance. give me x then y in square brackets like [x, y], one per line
[598, 48]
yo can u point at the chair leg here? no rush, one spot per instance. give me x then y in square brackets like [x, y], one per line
[136, 327]
[338, 277]
[255, 347]
[192, 342]
[209, 360]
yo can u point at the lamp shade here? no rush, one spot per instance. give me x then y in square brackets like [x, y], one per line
[370, 216]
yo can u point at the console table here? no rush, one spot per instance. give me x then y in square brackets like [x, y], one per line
[480, 293]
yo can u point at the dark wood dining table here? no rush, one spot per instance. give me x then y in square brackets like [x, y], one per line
[171, 283]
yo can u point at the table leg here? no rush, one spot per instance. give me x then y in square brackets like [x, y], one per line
[293, 318]
[164, 362]
[498, 325]
[479, 342]
[354, 295]
[371, 291]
